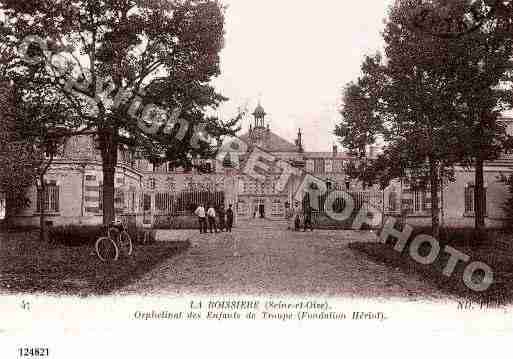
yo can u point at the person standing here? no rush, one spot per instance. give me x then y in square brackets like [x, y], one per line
[229, 219]
[289, 214]
[297, 217]
[221, 215]
[308, 219]
[211, 214]
[200, 213]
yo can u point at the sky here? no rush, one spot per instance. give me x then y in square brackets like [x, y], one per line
[296, 56]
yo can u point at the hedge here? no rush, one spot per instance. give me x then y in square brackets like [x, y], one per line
[182, 222]
[75, 235]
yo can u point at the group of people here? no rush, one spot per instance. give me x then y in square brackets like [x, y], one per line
[300, 218]
[217, 221]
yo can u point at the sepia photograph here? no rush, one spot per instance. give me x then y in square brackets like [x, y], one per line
[333, 164]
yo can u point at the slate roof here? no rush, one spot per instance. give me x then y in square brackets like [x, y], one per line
[272, 142]
[339, 155]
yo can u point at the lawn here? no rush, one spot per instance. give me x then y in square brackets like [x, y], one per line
[29, 266]
[497, 252]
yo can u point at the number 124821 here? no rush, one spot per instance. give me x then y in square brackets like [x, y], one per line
[33, 352]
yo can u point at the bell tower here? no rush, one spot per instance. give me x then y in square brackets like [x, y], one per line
[259, 115]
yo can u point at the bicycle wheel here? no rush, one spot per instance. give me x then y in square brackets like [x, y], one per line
[106, 249]
[125, 244]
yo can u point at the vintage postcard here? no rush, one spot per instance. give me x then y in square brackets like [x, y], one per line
[180, 178]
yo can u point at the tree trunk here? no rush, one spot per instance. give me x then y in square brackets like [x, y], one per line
[435, 209]
[479, 201]
[109, 152]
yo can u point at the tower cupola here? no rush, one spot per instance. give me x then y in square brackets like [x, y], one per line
[259, 115]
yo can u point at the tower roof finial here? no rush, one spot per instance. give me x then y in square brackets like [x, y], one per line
[259, 110]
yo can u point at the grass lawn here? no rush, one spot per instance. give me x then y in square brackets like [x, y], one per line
[494, 253]
[29, 266]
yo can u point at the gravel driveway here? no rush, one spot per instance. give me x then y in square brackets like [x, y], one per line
[264, 258]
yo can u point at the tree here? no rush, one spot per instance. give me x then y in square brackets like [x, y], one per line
[412, 108]
[423, 101]
[419, 102]
[44, 123]
[18, 160]
[125, 69]
[481, 67]
[360, 125]
[438, 19]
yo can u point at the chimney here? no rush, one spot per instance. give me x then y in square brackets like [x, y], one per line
[299, 141]
[335, 150]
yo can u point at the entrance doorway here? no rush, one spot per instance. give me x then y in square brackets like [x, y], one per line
[261, 210]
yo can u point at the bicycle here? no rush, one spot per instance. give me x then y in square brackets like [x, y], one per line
[117, 240]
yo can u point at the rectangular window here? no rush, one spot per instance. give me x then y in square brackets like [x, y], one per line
[426, 201]
[319, 166]
[100, 196]
[407, 205]
[2, 206]
[421, 200]
[242, 209]
[147, 202]
[469, 199]
[119, 198]
[277, 209]
[152, 184]
[329, 166]
[252, 187]
[470, 204]
[337, 166]
[417, 201]
[309, 166]
[49, 199]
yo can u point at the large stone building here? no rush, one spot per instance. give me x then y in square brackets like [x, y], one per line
[456, 198]
[74, 195]
[150, 192]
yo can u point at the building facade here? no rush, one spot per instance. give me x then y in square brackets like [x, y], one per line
[153, 193]
[147, 191]
[456, 198]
